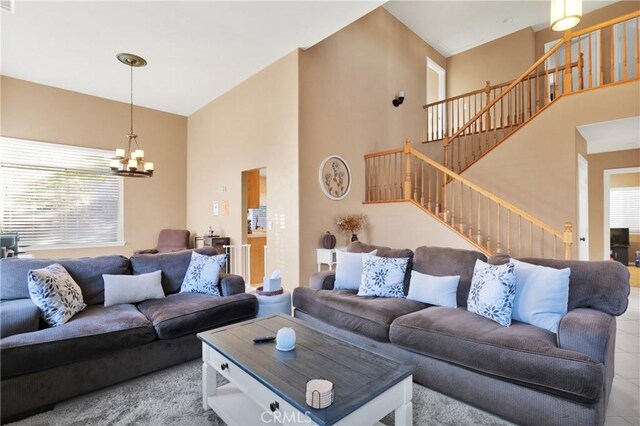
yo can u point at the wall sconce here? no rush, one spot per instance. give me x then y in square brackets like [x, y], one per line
[397, 101]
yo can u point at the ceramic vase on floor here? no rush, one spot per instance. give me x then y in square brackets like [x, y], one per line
[354, 237]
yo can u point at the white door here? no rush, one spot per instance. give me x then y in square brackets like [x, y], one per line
[583, 208]
[436, 91]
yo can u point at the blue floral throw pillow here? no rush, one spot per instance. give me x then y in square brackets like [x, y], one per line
[56, 294]
[492, 291]
[383, 276]
[203, 274]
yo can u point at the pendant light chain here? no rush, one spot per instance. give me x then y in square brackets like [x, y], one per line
[131, 67]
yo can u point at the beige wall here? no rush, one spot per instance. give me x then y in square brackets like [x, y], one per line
[536, 169]
[498, 61]
[347, 82]
[42, 113]
[625, 180]
[403, 225]
[433, 83]
[251, 126]
[598, 163]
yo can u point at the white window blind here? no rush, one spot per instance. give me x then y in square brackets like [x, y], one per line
[56, 195]
[624, 208]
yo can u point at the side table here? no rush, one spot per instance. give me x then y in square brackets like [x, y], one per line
[268, 305]
[327, 257]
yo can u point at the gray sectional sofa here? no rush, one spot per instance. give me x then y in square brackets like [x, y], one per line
[522, 373]
[101, 345]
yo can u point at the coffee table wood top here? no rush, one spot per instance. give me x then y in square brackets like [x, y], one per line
[358, 375]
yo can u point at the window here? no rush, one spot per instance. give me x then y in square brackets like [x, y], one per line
[624, 208]
[59, 195]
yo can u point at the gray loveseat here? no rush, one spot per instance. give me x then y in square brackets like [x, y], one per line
[101, 345]
[521, 373]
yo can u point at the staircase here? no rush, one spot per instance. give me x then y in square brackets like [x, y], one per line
[485, 220]
[470, 125]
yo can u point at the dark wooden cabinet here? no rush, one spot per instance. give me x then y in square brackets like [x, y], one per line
[621, 254]
[218, 243]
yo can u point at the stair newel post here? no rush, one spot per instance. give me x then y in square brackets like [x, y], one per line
[407, 176]
[566, 84]
[445, 145]
[568, 239]
[487, 92]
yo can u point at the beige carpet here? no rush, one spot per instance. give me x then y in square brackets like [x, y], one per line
[174, 397]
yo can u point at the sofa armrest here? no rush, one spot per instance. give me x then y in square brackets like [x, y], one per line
[322, 280]
[587, 331]
[231, 284]
[146, 251]
[18, 316]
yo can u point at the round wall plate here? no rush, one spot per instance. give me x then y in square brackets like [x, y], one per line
[335, 177]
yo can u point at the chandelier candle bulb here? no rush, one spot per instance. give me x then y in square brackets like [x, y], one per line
[114, 164]
[133, 164]
[139, 153]
[120, 153]
[148, 166]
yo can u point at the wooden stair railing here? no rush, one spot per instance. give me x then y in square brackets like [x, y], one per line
[574, 64]
[490, 223]
[447, 116]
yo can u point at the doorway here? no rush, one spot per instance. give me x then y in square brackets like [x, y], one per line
[621, 213]
[583, 208]
[436, 91]
[255, 219]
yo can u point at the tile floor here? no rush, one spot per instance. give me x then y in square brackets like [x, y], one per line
[624, 404]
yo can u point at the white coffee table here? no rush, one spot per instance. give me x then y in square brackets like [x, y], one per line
[267, 386]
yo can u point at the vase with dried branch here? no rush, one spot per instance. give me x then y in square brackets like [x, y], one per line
[351, 224]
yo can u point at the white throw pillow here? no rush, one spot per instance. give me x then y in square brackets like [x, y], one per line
[348, 270]
[492, 291]
[132, 288]
[203, 274]
[56, 294]
[542, 295]
[383, 276]
[439, 291]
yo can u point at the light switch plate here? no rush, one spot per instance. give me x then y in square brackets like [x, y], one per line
[216, 208]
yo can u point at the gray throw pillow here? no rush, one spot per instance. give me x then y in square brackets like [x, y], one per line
[132, 288]
[492, 291]
[203, 274]
[56, 294]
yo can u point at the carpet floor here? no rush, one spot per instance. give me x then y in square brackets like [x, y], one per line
[174, 397]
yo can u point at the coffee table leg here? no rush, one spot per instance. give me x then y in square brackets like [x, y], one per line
[404, 413]
[208, 384]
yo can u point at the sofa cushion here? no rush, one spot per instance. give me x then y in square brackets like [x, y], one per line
[86, 272]
[18, 316]
[381, 251]
[444, 261]
[93, 332]
[522, 353]
[369, 316]
[601, 285]
[184, 313]
[173, 266]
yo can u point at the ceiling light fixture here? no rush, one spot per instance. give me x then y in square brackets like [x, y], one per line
[565, 14]
[130, 162]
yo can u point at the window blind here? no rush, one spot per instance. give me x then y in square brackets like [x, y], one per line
[55, 194]
[624, 208]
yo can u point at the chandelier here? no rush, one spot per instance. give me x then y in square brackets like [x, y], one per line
[130, 162]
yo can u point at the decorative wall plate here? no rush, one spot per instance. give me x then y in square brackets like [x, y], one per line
[335, 177]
